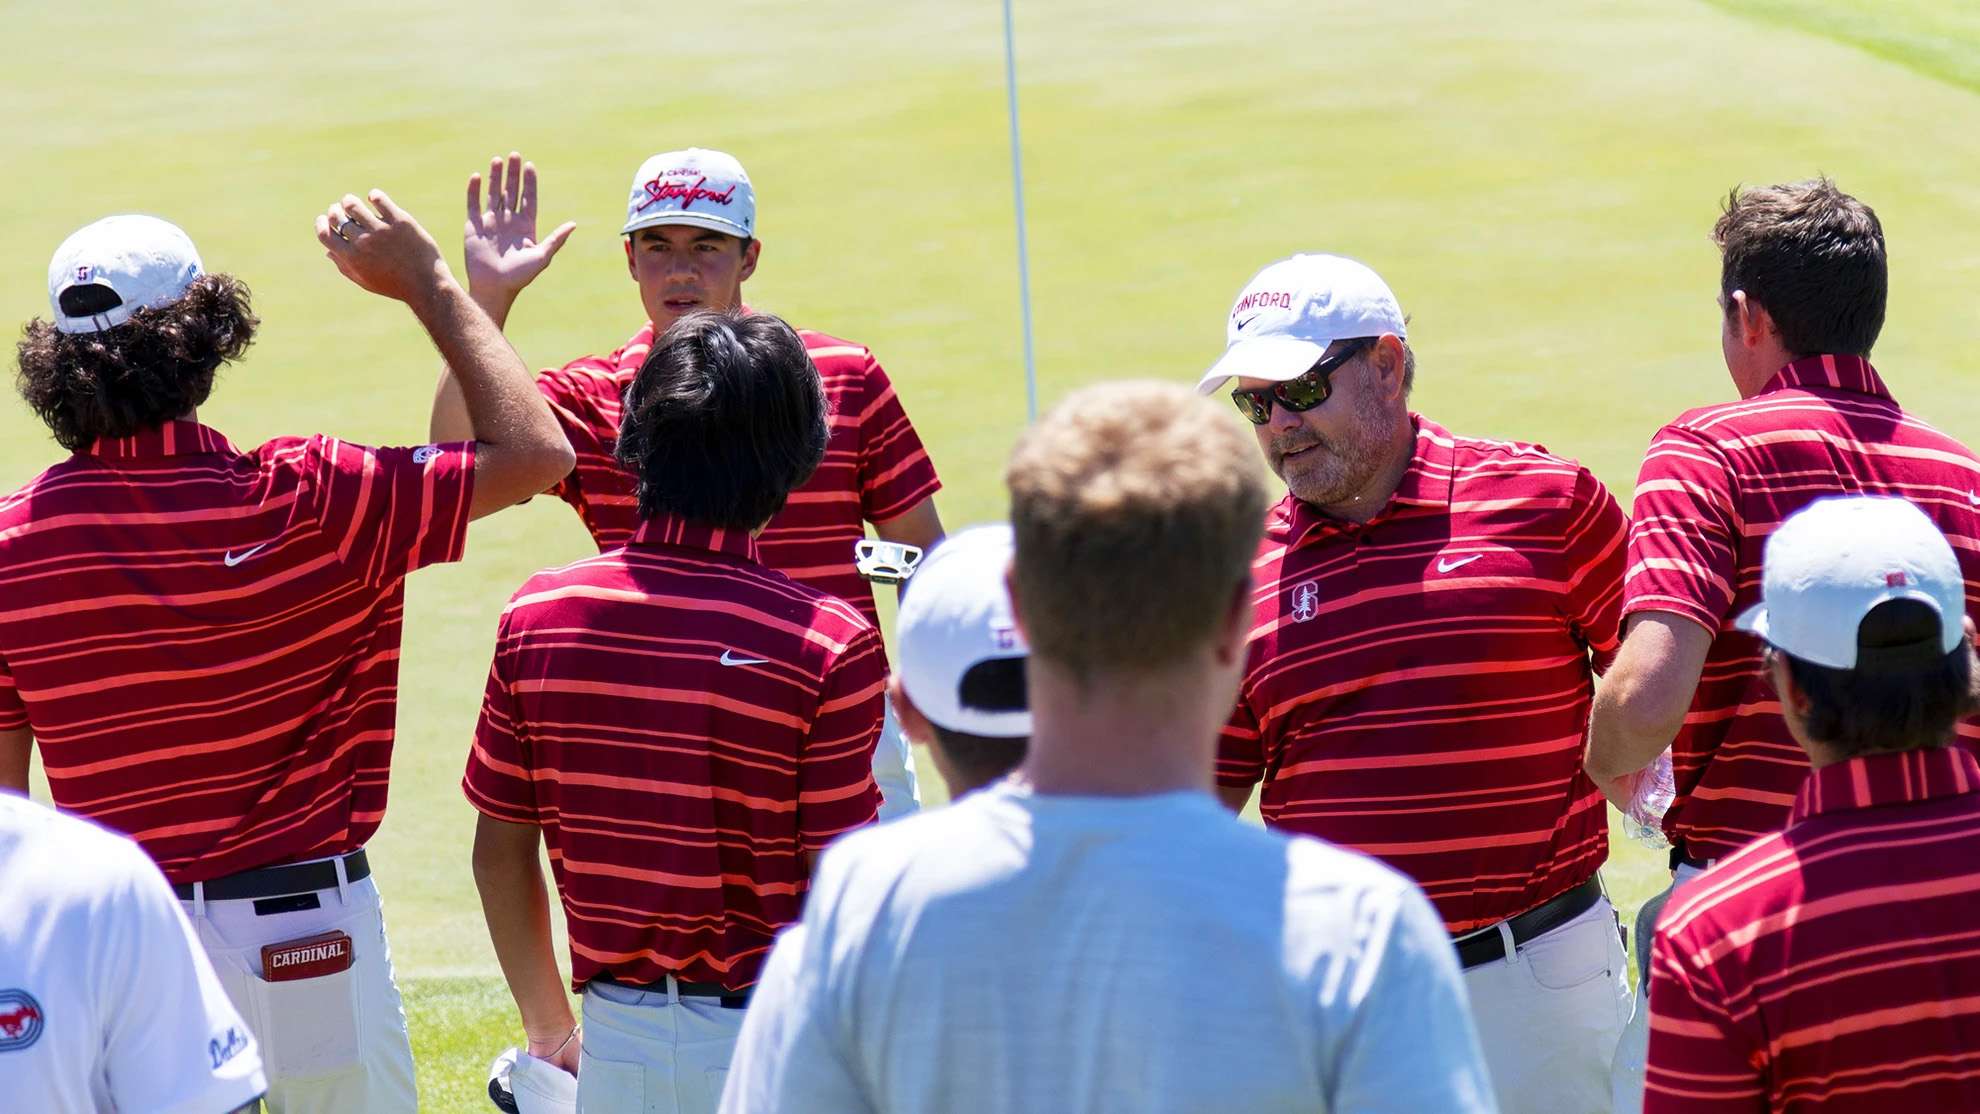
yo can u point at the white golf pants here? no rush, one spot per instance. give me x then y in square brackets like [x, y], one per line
[332, 1044]
[654, 1052]
[1550, 1013]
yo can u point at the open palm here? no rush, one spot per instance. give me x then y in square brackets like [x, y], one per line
[502, 252]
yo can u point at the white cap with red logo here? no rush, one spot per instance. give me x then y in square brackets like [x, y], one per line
[1834, 560]
[695, 187]
[1287, 315]
[136, 262]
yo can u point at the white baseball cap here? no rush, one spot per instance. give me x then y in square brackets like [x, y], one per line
[145, 262]
[1287, 315]
[695, 187]
[1834, 560]
[519, 1083]
[955, 616]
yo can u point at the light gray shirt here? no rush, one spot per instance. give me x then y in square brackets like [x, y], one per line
[1016, 952]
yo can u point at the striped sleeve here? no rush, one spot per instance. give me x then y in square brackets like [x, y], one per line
[391, 511]
[498, 781]
[1241, 749]
[1684, 533]
[1596, 548]
[13, 713]
[895, 473]
[1698, 1061]
[836, 792]
[573, 394]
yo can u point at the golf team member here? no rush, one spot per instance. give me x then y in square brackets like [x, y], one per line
[690, 244]
[1095, 932]
[1430, 611]
[684, 727]
[1802, 288]
[204, 641]
[106, 1000]
[960, 684]
[1831, 966]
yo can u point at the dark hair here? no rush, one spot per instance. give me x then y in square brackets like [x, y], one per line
[138, 375]
[1856, 711]
[978, 759]
[725, 418]
[1813, 257]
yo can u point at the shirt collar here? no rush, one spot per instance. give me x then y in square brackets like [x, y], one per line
[633, 353]
[1837, 373]
[642, 343]
[1426, 482]
[173, 438]
[1887, 778]
[667, 529]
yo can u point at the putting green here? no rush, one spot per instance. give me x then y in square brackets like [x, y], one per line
[1535, 180]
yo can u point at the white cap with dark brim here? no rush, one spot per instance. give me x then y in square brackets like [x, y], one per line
[144, 262]
[954, 616]
[1834, 560]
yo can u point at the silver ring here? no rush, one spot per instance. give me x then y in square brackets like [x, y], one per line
[347, 222]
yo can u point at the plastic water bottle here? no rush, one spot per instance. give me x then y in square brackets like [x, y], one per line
[1655, 787]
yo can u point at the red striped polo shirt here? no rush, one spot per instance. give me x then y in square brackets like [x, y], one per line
[205, 642]
[1834, 966]
[874, 468]
[1418, 686]
[1714, 485]
[688, 728]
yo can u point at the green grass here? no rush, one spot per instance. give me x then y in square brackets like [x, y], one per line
[1535, 179]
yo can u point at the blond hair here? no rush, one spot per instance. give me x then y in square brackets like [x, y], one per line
[1137, 509]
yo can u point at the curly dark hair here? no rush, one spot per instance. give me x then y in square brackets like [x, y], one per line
[147, 371]
[724, 420]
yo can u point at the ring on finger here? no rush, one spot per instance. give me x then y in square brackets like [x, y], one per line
[343, 225]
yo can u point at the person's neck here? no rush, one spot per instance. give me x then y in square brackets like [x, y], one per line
[1761, 370]
[1122, 735]
[1374, 496]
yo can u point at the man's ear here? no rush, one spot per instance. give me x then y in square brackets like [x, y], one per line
[1390, 364]
[752, 252]
[1017, 605]
[913, 724]
[1791, 694]
[1755, 323]
[629, 260]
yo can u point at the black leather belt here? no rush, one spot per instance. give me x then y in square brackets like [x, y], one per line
[730, 999]
[281, 881]
[1679, 858]
[1475, 949]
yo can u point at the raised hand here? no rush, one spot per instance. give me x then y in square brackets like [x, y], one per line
[500, 245]
[382, 248]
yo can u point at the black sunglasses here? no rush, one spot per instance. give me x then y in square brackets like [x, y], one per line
[1301, 394]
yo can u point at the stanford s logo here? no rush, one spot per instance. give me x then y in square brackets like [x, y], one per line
[20, 1020]
[1306, 601]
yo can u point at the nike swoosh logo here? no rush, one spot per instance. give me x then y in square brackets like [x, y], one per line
[1240, 325]
[1973, 498]
[1446, 566]
[230, 558]
[729, 658]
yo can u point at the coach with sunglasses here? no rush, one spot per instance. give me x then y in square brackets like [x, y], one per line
[1430, 612]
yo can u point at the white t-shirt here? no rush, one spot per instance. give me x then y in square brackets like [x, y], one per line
[1016, 953]
[107, 1002]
